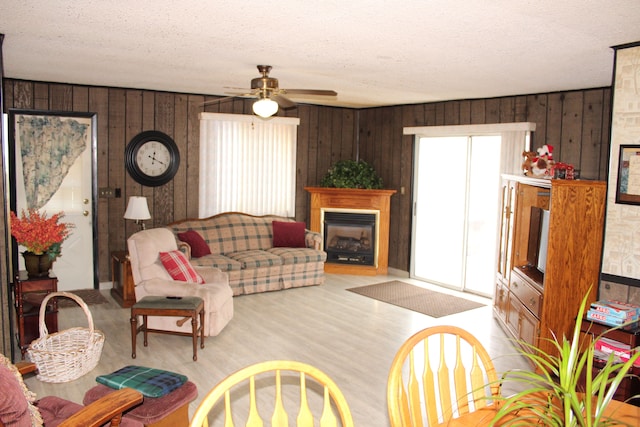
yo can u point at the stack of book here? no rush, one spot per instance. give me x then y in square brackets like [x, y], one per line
[621, 351]
[614, 313]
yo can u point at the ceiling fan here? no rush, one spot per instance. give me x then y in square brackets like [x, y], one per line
[269, 94]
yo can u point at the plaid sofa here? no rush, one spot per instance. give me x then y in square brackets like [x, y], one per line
[242, 246]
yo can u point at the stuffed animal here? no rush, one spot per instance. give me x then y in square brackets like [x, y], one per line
[546, 151]
[527, 164]
[543, 163]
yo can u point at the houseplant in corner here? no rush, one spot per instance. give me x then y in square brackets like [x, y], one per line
[42, 238]
[564, 390]
[351, 174]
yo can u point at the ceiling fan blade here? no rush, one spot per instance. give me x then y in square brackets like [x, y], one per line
[309, 92]
[213, 101]
[242, 93]
[283, 101]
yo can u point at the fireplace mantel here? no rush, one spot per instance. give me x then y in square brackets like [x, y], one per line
[354, 198]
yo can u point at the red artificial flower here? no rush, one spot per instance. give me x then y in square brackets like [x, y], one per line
[38, 233]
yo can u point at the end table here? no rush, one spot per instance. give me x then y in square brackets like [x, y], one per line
[28, 294]
[123, 288]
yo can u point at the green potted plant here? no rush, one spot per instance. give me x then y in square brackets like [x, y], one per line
[564, 390]
[351, 174]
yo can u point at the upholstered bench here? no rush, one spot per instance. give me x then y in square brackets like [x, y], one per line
[185, 307]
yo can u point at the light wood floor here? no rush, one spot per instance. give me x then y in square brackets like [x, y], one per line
[351, 337]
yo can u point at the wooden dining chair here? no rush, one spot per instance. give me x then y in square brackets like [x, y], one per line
[287, 384]
[438, 374]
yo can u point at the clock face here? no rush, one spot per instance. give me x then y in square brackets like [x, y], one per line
[152, 158]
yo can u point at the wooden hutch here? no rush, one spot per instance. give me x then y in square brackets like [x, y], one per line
[531, 305]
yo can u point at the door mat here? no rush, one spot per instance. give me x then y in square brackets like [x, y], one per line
[89, 296]
[425, 301]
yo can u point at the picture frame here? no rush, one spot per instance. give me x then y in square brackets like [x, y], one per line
[628, 185]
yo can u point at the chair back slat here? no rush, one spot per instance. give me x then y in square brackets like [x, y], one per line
[444, 386]
[444, 392]
[279, 417]
[477, 382]
[305, 416]
[253, 420]
[460, 379]
[429, 389]
[328, 418]
[228, 416]
[328, 405]
[414, 394]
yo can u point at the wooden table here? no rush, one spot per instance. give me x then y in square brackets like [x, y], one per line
[626, 414]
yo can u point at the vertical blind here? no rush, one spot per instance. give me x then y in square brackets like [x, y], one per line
[247, 164]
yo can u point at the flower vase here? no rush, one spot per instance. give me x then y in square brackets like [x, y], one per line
[37, 265]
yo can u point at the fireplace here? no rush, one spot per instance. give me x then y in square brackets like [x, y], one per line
[354, 201]
[350, 237]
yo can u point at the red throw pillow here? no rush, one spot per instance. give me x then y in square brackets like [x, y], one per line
[178, 266]
[288, 234]
[198, 246]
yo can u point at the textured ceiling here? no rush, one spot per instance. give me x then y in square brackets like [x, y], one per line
[371, 52]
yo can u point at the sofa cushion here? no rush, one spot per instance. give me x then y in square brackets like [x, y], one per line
[288, 234]
[222, 262]
[199, 247]
[298, 255]
[256, 259]
[179, 268]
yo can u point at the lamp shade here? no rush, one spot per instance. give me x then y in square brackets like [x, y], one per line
[265, 107]
[137, 208]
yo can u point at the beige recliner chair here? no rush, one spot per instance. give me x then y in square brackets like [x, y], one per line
[151, 278]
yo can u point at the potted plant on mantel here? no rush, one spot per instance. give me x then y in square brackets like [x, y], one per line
[351, 174]
[41, 236]
[563, 390]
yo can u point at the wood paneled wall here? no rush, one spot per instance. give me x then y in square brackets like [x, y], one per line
[576, 123]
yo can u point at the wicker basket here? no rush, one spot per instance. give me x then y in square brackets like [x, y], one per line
[66, 355]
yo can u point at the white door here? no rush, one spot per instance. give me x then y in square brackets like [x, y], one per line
[456, 203]
[75, 268]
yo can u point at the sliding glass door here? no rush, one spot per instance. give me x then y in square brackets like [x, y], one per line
[456, 209]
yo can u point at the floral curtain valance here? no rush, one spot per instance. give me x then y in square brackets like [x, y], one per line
[49, 146]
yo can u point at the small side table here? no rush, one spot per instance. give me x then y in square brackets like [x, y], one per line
[123, 289]
[185, 307]
[28, 294]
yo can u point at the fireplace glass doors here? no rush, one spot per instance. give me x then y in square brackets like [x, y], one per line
[350, 238]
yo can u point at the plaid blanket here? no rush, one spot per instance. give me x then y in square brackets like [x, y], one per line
[148, 381]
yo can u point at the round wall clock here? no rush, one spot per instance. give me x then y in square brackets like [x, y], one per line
[152, 158]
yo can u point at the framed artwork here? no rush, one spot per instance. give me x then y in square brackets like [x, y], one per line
[628, 188]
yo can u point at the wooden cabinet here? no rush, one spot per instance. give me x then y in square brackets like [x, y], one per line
[28, 294]
[531, 304]
[123, 288]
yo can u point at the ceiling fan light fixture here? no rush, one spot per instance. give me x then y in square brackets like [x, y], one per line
[265, 107]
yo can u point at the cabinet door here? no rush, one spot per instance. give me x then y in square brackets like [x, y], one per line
[500, 302]
[523, 324]
[506, 230]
